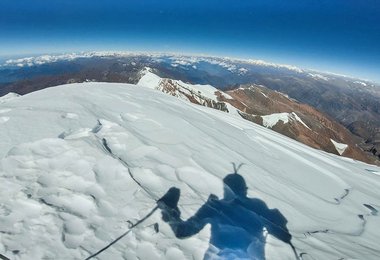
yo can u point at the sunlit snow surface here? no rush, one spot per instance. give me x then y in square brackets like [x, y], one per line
[272, 120]
[339, 146]
[63, 196]
[153, 81]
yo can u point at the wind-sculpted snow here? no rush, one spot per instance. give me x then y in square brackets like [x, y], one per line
[73, 158]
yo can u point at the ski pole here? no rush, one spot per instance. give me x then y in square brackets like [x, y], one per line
[125, 233]
[298, 257]
[3, 257]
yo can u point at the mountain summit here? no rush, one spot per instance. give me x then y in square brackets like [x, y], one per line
[83, 163]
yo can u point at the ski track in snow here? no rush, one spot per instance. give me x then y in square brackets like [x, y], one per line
[66, 189]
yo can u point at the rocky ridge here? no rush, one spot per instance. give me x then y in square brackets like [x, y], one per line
[268, 108]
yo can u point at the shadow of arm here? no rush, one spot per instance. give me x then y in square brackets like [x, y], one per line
[276, 225]
[172, 215]
[187, 228]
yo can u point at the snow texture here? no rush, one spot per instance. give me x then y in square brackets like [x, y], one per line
[339, 146]
[271, 120]
[153, 81]
[8, 97]
[202, 92]
[149, 79]
[66, 189]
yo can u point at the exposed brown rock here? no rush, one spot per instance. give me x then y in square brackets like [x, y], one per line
[256, 101]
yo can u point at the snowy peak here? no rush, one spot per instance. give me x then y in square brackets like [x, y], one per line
[271, 120]
[205, 95]
[9, 97]
[149, 79]
[260, 105]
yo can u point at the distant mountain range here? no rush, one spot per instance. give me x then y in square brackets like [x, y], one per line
[341, 110]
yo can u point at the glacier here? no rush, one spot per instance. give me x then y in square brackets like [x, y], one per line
[68, 154]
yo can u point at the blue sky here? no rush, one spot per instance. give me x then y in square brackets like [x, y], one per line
[341, 36]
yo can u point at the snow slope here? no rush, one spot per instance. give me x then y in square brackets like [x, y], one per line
[202, 94]
[153, 81]
[8, 97]
[339, 146]
[273, 119]
[63, 195]
[149, 79]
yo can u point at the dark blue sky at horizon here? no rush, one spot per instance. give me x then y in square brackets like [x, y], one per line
[341, 36]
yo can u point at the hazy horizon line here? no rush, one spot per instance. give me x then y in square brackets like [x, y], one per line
[8, 57]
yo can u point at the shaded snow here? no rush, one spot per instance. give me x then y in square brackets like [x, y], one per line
[4, 119]
[70, 116]
[232, 110]
[63, 196]
[8, 97]
[339, 146]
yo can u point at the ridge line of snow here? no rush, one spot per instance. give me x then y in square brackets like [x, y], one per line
[271, 120]
[198, 91]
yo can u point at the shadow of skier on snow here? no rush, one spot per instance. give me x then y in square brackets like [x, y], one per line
[238, 223]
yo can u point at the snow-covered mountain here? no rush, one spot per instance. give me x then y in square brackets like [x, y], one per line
[299, 121]
[80, 162]
[265, 107]
[353, 103]
[205, 95]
